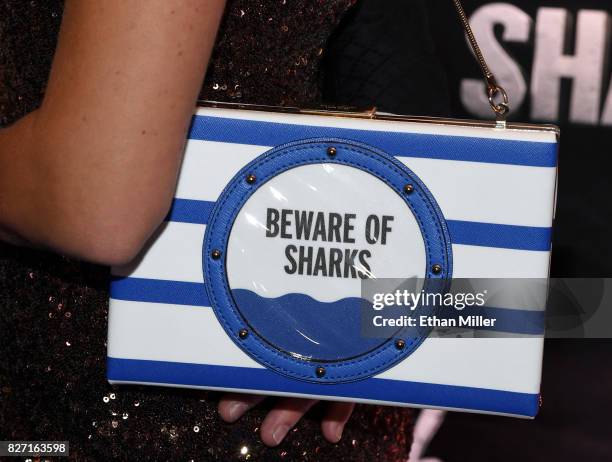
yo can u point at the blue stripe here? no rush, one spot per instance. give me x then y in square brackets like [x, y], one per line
[526, 322]
[157, 291]
[508, 320]
[462, 232]
[445, 147]
[501, 236]
[479, 399]
[529, 322]
[190, 211]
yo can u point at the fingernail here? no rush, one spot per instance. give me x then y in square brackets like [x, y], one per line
[279, 433]
[338, 433]
[236, 410]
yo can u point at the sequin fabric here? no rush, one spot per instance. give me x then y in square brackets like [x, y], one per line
[53, 311]
[269, 52]
[28, 35]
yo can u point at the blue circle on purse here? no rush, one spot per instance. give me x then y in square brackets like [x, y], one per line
[294, 243]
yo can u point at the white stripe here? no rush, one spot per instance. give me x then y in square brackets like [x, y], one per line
[175, 254]
[489, 193]
[174, 333]
[208, 166]
[383, 125]
[508, 364]
[487, 262]
[466, 191]
[159, 332]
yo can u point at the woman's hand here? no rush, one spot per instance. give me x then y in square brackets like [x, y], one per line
[285, 415]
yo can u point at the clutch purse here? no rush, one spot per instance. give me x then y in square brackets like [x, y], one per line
[255, 281]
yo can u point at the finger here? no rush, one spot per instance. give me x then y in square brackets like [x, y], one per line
[335, 419]
[233, 405]
[284, 416]
[425, 429]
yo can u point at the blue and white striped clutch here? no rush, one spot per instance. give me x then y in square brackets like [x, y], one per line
[262, 300]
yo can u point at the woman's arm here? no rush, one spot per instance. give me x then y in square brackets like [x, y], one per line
[92, 172]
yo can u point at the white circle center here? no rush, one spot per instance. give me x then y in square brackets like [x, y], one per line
[317, 230]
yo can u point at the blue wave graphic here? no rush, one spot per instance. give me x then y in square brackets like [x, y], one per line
[299, 324]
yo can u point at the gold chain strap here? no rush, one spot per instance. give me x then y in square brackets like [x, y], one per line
[494, 90]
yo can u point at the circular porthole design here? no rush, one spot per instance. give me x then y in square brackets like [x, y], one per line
[292, 239]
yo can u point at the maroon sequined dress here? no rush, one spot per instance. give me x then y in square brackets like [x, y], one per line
[53, 310]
